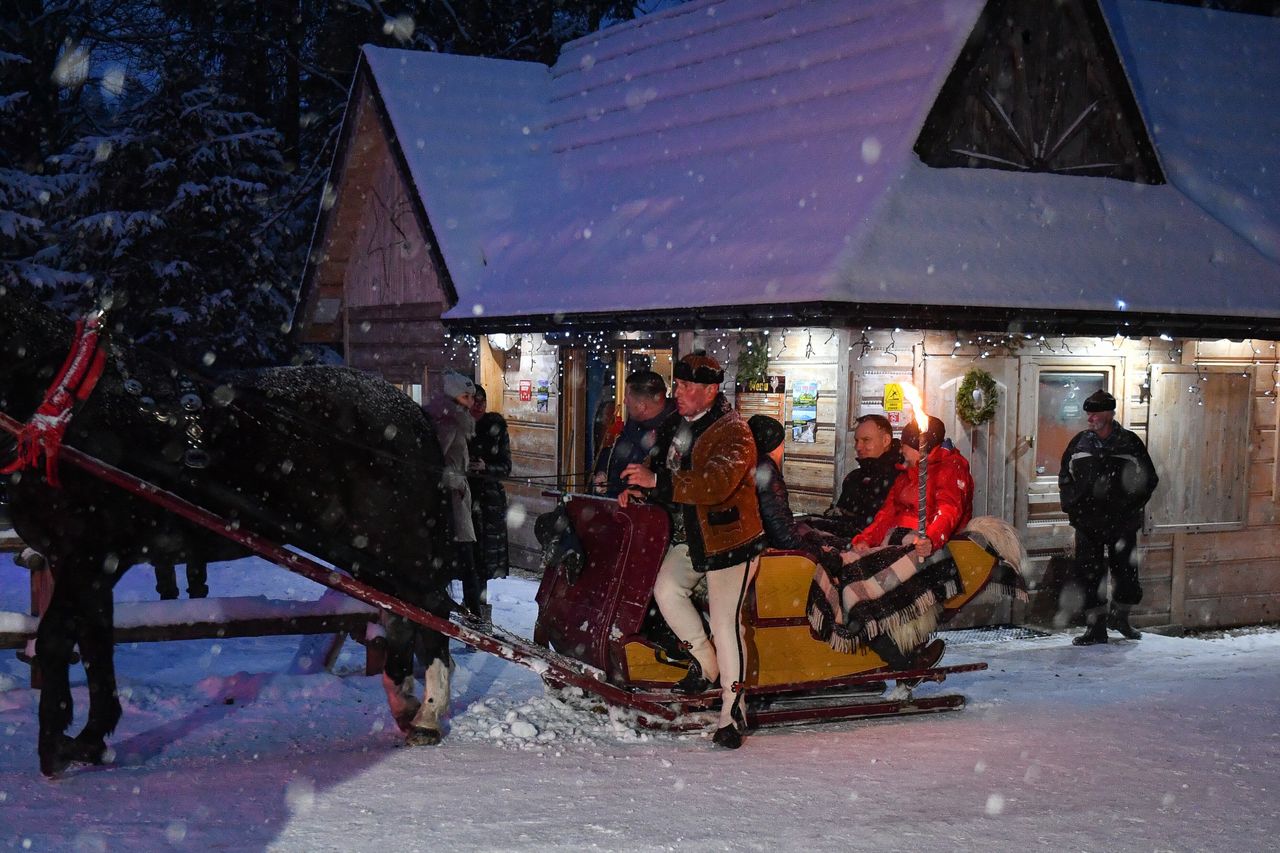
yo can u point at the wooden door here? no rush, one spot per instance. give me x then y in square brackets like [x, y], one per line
[988, 447]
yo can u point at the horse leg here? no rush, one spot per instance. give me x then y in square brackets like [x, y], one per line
[397, 671]
[97, 648]
[433, 650]
[55, 638]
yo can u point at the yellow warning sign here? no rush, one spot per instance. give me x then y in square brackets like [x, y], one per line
[892, 397]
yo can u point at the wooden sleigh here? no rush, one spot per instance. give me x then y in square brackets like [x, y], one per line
[604, 618]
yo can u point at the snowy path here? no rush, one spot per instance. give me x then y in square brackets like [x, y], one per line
[1164, 744]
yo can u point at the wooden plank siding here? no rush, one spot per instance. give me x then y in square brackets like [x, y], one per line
[534, 443]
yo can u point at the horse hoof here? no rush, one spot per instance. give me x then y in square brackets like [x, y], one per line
[423, 737]
[85, 751]
[53, 757]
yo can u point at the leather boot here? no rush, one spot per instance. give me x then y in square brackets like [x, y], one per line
[1119, 621]
[694, 682]
[730, 736]
[1095, 632]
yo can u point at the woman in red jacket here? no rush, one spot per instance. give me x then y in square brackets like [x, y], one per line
[888, 588]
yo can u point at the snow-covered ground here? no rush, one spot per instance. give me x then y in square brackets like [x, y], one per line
[1163, 744]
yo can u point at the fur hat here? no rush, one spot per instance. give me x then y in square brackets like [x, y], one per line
[700, 368]
[1100, 401]
[933, 436]
[767, 432]
[454, 384]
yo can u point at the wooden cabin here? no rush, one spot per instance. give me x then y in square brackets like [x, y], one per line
[1039, 197]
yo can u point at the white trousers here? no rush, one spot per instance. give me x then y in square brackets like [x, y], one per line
[725, 593]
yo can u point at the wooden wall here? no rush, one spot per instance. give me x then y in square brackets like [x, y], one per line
[1222, 578]
[534, 441]
[1233, 577]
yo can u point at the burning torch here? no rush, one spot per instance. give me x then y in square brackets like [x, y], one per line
[922, 421]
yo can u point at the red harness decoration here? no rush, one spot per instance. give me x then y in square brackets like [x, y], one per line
[74, 383]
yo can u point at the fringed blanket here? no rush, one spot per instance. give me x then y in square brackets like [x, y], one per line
[852, 600]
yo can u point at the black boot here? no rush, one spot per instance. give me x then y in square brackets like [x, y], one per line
[1095, 632]
[884, 646]
[1119, 621]
[730, 736]
[694, 682]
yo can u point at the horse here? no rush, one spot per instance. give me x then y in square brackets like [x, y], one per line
[329, 460]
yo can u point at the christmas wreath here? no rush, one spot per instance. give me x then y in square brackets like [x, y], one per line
[977, 398]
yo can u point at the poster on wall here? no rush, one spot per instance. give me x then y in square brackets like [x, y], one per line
[804, 412]
[526, 390]
[544, 394]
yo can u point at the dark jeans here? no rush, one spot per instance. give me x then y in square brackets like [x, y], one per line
[197, 580]
[1098, 551]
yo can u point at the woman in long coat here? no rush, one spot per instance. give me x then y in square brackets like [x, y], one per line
[490, 464]
[450, 409]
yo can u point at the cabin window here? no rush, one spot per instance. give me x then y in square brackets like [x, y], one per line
[1059, 416]
[1200, 425]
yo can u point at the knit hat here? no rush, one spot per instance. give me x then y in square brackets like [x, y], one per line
[933, 436]
[1100, 401]
[700, 368]
[454, 384]
[767, 432]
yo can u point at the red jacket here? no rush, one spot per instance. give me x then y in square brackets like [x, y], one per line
[949, 501]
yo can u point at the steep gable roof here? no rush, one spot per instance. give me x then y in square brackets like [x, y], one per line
[754, 157]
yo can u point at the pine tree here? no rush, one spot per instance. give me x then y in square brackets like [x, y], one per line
[172, 214]
[32, 119]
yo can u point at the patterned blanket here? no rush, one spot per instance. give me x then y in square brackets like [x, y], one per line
[853, 599]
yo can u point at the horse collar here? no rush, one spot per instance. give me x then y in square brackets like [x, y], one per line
[74, 382]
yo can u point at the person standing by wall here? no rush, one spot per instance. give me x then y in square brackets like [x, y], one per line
[707, 476]
[449, 408]
[490, 451]
[1105, 481]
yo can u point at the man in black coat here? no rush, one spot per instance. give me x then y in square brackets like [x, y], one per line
[489, 464]
[865, 488]
[1105, 480]
[648, 407]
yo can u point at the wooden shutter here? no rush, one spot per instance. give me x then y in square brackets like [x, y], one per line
[1198, 437]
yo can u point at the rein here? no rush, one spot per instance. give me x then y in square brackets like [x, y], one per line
[74, 382]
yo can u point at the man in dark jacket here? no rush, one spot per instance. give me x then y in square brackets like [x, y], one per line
[1105, 480]
[866, 487]
[706, 475]
[647, 406]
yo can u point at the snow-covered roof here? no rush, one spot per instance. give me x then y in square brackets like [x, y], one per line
[1208, 84]
[759, 152]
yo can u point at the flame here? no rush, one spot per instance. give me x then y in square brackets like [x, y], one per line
[917, 405]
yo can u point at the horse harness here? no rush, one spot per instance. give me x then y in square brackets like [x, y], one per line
[179, 405]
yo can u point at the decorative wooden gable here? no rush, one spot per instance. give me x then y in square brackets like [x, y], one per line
[376, 283]
[1039, 87]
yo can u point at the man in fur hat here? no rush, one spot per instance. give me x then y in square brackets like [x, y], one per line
[1105, 480]
[706, 475]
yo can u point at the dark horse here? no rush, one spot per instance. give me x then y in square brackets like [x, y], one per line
[326, 459]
